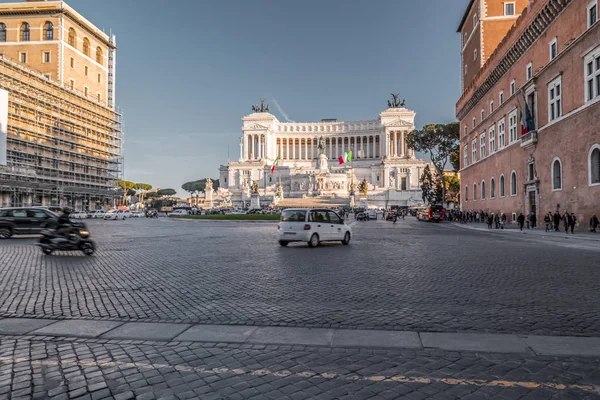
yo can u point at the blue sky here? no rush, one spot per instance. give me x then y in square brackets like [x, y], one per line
[189, 70]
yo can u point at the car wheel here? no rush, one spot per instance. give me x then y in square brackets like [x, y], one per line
[346, 240]
[47, 251]
[283, 243]
[314, 240]
[5, 233]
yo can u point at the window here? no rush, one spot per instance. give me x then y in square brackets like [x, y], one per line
[512, 127]
[86, 47]
[466, 193]
[2, 32]
[86, 91]
[23, 57]
[86, 70]
[465, 38]
[72, 38]
[594, 165]
[48, 31]
[465, 69]
[474, 54]
[529, 71]
[25, 32]
[501, 97]
[509, 8]
[72, 84]
[482, 114]
[473, 151]
[72, 62]
[592, 75]
[553, 49]
[501, 134]
[491, 106]
[512, 87]
[474, 122]
[465, 131]
[99, 97]
[333, 217]
[513, 183]
[502, 192]
[556, 174]
[482, 145]
[99, 78]
[492, 188]
[99, 56]
[492, 135]
[530, 172]
[482, 190]
[46, 57]
[592, 13]
[48, 76]
[465, 156]
[474, 191]
[554, 99]
[474, 20]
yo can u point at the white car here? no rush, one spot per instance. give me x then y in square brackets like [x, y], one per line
[78, 215]
[138, 214]
[98, 214]
[115, 215]
[178, 213]
[312, 225]
[238, 212]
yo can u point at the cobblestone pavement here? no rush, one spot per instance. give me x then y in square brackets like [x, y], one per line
[408, 276]
[92, 369]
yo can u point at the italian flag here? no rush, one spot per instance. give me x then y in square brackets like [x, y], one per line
[275, 163]
[524, 129]
[346, 157]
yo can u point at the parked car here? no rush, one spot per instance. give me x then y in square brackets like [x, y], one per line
[98, 214]
[361, 216]
[25, 221]
[178, 213]
[138, 214]
[312, 226]
[115, 215]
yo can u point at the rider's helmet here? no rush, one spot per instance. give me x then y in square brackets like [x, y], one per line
[67, 211]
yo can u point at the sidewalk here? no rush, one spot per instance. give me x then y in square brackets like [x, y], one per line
[581, 234]
[267, 335]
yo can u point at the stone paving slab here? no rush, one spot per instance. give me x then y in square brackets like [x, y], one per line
[284, 335]
[21, 326]
[559, 345]
[381, 339]
[217, 333]
[475, 342]
[146, 331]
[77, 328]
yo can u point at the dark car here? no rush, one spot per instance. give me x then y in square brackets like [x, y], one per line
[25, 221]
[361, 216]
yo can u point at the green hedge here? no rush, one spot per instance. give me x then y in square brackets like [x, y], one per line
[236, 217]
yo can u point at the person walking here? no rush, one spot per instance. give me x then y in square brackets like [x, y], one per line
[490, 221]
[565, 219]
[497, 221]
[556, 218]
[521, 221]
[572, 222]
[594, 222]
[548, 221]
[502, 221]
[533, 220]
[527, 220]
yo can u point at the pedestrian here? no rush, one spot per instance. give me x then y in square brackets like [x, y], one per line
[572, 222]
[533, 220]
[556, 218]
[497, 221]
[527, 220]
[565, 219]
[521, 221]
[502, 221]
[594, 222]
[490, 221]
[548, 221]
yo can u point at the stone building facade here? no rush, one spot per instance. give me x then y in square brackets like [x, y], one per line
[530, 136]
[62, 143]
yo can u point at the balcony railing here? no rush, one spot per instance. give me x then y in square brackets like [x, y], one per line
[529, 139]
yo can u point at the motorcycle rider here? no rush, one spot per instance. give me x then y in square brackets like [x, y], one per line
[64, 223]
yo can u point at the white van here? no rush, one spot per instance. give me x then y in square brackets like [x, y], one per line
[312, 225]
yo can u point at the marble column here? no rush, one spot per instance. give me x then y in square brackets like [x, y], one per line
[306, 148]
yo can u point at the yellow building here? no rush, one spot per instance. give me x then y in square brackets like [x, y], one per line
[63, 139]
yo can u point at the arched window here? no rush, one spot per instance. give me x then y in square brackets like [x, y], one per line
[474, 191]
[492, 188]
[25, 32]
[48, 31]
[72, 38]
[482, 190]
[502, 190]
[556, 174]
[594, 165]
[513, 183]
[2, 32]
[466, 193]
[99, 55]
[86, 47]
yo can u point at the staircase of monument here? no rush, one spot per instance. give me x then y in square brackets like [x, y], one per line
[309, 202]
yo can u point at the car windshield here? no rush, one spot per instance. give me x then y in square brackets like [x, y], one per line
[293, 216]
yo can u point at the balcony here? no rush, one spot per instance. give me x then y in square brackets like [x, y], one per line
[529, 139]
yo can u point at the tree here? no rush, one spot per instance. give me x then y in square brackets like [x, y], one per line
[144, 188]
[452, 188]
[431, 186]
[166, 193]
[125, 186]
[440, 142]
[194, 188]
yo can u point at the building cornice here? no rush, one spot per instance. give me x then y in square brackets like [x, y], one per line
[465, 15]
[488, 76]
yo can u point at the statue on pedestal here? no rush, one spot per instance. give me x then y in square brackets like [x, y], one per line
[321, 145]
[363, 188]
[396, 102]
[255, 187]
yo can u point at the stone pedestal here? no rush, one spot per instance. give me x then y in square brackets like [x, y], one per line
[255, 201]
[322, 163]
[352, 201]
[363, 203]
[208, 198]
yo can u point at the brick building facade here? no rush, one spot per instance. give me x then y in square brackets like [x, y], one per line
[546, 68]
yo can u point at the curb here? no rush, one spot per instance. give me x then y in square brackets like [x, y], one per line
[516, 231]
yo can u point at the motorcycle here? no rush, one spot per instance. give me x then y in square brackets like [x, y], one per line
[152, 214]
[79, 240]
